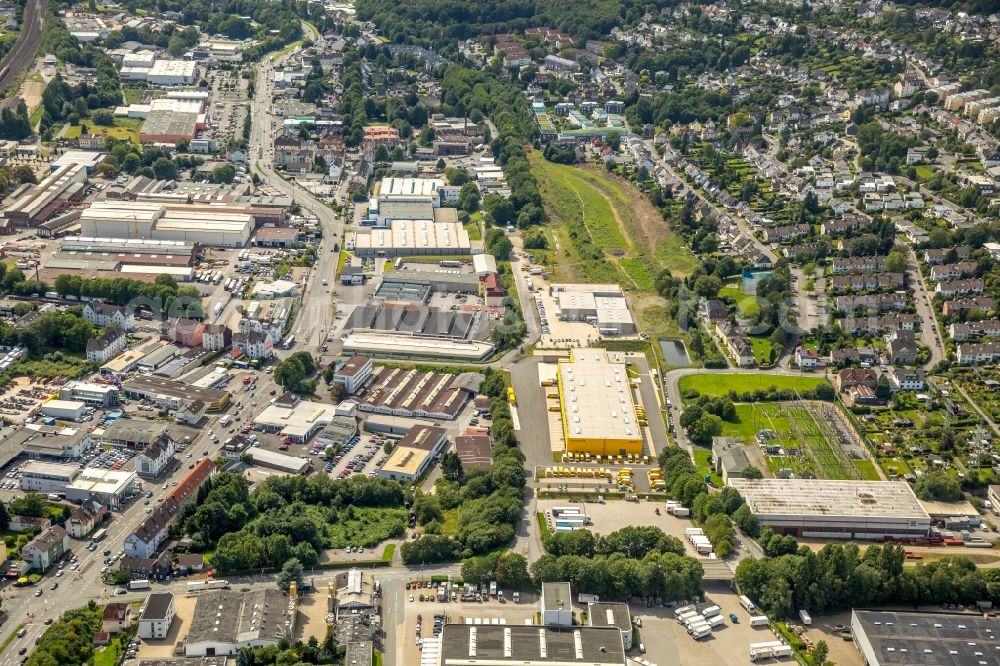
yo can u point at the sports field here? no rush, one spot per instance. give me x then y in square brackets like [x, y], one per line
[721, 384]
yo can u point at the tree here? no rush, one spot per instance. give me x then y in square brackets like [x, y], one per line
[882, 389]
[165, 169]
[468, 197]
[182, 145]
[451, 466]
[512, 570]
[614, 139]
[895, 262]
[707, 286]
[752, 472]
[938, 486]
[32, 504]
[381, 153]
[290, 571]
[704, 429]
[820, 653]
[224, 173]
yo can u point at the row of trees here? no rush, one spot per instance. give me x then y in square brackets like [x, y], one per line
[163, 292]
[839, 577]
[632, 542]
[717, 512]
[657, 575]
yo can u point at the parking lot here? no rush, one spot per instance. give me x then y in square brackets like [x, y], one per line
[23, 395]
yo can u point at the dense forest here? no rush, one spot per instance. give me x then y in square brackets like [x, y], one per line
[442, 23]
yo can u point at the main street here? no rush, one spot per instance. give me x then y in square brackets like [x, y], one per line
[317, 308]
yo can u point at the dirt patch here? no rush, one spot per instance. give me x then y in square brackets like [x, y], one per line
[31, 93]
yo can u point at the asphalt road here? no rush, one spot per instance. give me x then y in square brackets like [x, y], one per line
[23, 52]
[930, 333]
[318, 310]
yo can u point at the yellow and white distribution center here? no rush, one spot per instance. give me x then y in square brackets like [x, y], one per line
[598, 409]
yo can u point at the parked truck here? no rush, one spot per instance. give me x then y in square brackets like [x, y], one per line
[805, 617]
[701, 632]
[688, 616]
[716, 620]
[683, 609]
[759, 651]
[140, 584]
[747, 604]
[710, 611]
[759, 621]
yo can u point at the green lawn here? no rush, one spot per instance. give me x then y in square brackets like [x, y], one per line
[590, 204]
[722, 384]
[762, 350]
[924, 172]
[124, 128]
[703, 461]
[866, 469]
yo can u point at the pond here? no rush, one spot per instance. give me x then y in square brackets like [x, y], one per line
[674, 352]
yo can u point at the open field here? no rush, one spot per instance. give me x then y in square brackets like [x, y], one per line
[604, 229]
[126, 129]
[722, 384]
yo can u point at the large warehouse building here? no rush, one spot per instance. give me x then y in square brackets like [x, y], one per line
[598, 410]
[887, 638]
[412, 238]
[160, 72]
[40, 202]
[139, 258]
[527, 645]
[603, 305]
[203, 225]
[835, 509]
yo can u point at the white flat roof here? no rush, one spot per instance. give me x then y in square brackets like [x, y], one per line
[426, 187]
[417, 235]
[50, 469]
[299, 420]
[387, 344]
[596, 396]
[108, 481]
[827, 499]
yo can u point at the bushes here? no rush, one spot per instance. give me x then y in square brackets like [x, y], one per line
[69, 642]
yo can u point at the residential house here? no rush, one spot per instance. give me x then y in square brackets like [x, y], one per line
[156, 457]
[906, 380]
[116, 618]
[216, 337]
[191, 413]
[738, 344]
[152, 532]
[961, 269]
[106, 346]
[152, 568]
[18, 523]
[807, 358]
[960, 287]
[870, 264]
[45, 549]
[954, 307]
[901, 348]
[849, 377]
[868, 282]
[186, 332]
[103, 315]
[157, 615]
[785, 233]
[713, 311]
[255, 345]
[939, 255]
[978, 354]
[85, 518]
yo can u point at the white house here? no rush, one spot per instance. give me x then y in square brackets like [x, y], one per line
[256, 345]
[106, 346]
[103, 315]
[155, 458]
[157, 616]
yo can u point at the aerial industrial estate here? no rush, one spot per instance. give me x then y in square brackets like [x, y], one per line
[552, 334]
